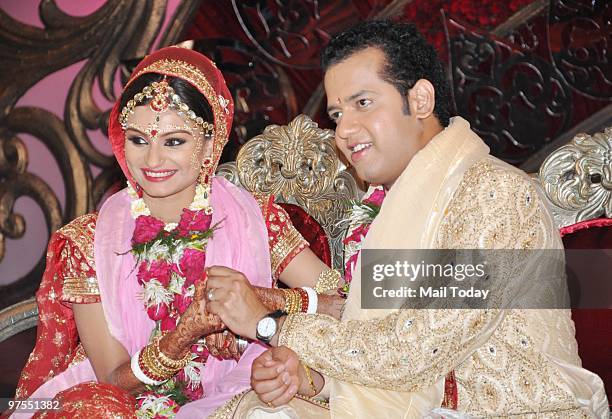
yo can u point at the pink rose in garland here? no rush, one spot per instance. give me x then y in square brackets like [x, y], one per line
[158, 311]
[181, 302]
[361, 219]
[193, 221]
[376, 198]
[193, 393]
[160, 270]
[167, 324]
[147, 228]
[192, 265]
[348, 269]
[357, 234]
[143, 273]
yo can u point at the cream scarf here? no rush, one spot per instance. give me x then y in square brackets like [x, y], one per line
[409, 219]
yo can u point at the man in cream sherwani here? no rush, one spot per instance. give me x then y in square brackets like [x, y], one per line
[388, 95]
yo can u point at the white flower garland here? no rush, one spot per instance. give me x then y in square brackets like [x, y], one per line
[154, 406]
[201, 201]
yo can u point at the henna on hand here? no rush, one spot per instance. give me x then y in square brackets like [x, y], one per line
[332, 305]
[211, 345]
[223, 345]
[232, 346]
[272, 298]
[195, 322]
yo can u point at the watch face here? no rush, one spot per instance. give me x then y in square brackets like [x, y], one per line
[266, 327]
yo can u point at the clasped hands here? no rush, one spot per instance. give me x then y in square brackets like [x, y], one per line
[231, 297]
[197, 322]
[234, 305]
[277, 375]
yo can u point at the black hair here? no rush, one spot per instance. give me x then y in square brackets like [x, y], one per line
[188, 94]
[408, 58]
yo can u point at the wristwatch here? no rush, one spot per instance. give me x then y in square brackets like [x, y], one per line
[266, 327]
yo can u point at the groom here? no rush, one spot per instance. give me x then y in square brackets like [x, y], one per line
[388, 95]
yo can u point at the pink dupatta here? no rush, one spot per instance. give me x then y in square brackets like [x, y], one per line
[240, 243]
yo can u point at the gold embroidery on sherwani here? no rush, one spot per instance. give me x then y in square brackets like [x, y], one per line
[80, 283]
[498, 208]
[499, 370]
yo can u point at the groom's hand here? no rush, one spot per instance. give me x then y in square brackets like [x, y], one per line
[233, 299]
[275, 376]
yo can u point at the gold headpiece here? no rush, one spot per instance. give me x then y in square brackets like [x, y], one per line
[163, 97]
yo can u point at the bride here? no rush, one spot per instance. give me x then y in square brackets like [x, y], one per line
[131, 278]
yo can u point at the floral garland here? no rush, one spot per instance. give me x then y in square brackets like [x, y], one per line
[360, 220]
[170, 259]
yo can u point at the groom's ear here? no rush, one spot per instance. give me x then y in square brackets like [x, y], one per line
[422, 99]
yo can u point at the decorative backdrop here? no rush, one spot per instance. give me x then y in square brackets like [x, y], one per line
[527, 74]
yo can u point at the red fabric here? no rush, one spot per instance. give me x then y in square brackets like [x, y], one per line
[593, 327]
[311, 230]
[451, 392]
[588, 236]
[56, 336]
[92, 400]
[278, 223]
[214, 78]
[485, 14]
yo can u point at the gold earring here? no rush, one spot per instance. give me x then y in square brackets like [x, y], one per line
[205, 171]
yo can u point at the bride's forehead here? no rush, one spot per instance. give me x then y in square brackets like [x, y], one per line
[144, 114]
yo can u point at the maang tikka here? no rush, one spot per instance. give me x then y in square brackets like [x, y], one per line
[163, 98]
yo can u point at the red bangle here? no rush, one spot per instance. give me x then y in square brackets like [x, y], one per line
[304, 297]
[146, 371]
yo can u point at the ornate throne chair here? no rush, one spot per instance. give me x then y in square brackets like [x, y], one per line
[577, 181]
[296, 163]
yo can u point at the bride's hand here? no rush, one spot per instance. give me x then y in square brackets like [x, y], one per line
[332, 305]
[196, 321]
[223, 345]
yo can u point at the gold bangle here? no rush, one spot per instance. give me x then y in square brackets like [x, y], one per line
[153, 364]
[287, 294]
[293, 301]
[310, 380]
[160, 364]
[166, 361]
[328, 280]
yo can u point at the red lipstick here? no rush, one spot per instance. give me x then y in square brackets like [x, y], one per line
[157, 175]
